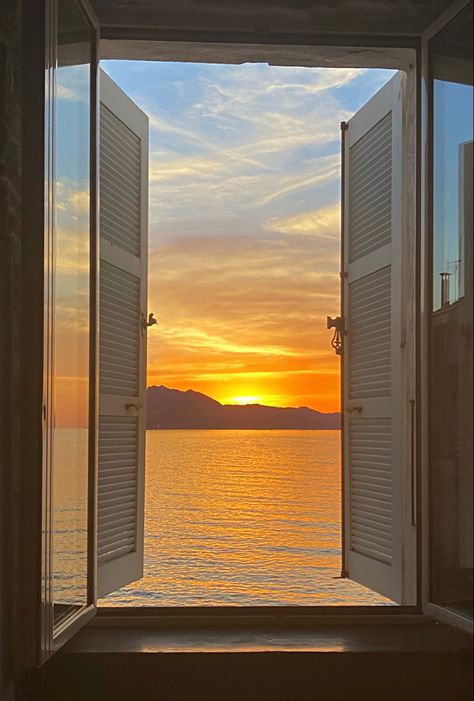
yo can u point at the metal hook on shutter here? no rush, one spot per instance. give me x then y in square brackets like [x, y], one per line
[337, 325]
[150, 322]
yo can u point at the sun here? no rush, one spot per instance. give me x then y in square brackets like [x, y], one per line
[245, 400]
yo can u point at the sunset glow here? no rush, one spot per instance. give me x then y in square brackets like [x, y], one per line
[245, 225]
[244, 232]
[245, 400]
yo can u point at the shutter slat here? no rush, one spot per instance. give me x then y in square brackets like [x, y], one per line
[366, 333]
[117, 484]
[371, 487]
[120, 165]
[370, 168]
[120, 334]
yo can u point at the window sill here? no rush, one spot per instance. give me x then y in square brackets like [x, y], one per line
[409, 658]
[346, 633]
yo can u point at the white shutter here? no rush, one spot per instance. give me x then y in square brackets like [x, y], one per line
[122, 349]
[375, 483]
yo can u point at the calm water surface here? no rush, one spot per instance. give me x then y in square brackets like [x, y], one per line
[244, 518]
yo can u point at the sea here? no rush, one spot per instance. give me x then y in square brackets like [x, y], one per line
[242, 518]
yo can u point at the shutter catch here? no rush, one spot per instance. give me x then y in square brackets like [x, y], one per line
[150, 322]
[338, 325]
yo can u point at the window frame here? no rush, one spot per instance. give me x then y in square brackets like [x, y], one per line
[28, 597]
[73, 623]
[50, 637]
[253, 615]
[431, 609]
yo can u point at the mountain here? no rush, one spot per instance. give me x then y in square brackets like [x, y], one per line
[172, 408]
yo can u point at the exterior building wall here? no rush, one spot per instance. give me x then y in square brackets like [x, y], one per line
[10, 315]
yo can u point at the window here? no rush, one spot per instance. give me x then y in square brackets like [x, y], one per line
[377, 540]
[450, 464]
[377, 487]
[71, 320]
[69, 366]
[378, 330]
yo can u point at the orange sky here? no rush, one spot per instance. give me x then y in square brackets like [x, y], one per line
[243, 318]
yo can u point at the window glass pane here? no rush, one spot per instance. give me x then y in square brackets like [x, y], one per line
[71, 315]
[451, 324]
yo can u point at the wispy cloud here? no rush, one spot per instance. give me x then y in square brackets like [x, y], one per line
[319, 223]
[72, 83]
[246, 138]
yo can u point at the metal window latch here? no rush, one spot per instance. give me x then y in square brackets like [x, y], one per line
[338, 326]
[151, 321]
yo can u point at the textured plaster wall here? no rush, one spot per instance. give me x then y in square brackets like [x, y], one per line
[10, 249]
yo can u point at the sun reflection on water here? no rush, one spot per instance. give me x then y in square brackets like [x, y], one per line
[242, 518]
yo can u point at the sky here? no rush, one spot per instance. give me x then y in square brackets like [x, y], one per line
[71, 247]
[453, 106]
[244, 225]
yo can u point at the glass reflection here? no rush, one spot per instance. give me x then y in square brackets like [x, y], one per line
[451, 326]
[71, 315]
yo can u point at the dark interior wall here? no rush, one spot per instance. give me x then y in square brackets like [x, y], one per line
[407, 17]
[10, 313]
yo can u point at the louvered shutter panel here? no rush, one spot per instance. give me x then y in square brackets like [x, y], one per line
[122, 349]
[372, 308]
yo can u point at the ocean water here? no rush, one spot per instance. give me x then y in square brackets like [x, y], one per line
[242, 518]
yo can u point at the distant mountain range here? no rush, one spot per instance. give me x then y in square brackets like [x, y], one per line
[172, 409]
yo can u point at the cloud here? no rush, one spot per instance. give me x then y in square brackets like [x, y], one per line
[319, 222]
[193, 338]
[72, 198]
[327, 173]
[72, 83]
[66, 93]
[79, 202]
[317, 80]
[246, 138]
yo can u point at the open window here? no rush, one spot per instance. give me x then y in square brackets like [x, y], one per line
[379, 523]
[379, 520]
[378, 371]
[104, 479]
[94, 328]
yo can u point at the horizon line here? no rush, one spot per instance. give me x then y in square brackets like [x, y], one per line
[271, 406]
